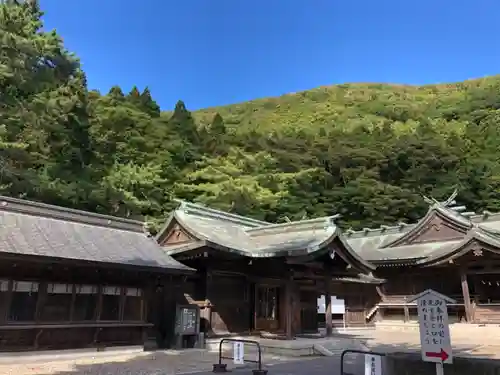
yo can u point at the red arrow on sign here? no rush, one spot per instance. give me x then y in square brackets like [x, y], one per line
[442, 355]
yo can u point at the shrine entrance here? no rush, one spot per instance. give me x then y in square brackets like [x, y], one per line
[267, 308]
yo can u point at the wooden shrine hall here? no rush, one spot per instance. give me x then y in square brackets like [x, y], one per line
[453, 252]
[257, 277]
[73, 279]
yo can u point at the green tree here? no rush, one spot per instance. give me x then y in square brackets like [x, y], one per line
[182, 122]
[366, 151]
[242, 183]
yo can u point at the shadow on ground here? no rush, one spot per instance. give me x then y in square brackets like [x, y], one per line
[157, 363]
[200, 362]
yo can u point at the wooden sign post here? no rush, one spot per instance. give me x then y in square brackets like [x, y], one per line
[434, 328]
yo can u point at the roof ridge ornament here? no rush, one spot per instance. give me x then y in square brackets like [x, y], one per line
[349, 231]
[327, 221]
[446, 203]
[201, 209]
[44, 210]
[334, 217]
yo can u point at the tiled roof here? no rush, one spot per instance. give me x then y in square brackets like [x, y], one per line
[407, 252]
[379, 245]
[36, 229]
[371, 239]
[254, 238]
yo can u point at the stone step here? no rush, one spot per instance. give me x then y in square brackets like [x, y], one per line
[295, 348]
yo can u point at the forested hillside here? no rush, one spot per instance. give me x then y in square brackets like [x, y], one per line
[367, 151]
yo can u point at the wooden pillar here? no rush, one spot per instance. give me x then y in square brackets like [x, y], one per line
[466, 295]
[407, 313]
[203, 294]
[288, 310]
[328, 307]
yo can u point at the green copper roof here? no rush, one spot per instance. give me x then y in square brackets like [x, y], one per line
[367, 240]
[36, 229]
[383, 245]
[254, 238]
[408, 252]
[380, 246]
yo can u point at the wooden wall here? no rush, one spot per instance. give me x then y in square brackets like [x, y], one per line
[403, 283]
[309, 321]
[51, 306]
[229, 300]
[44, 315]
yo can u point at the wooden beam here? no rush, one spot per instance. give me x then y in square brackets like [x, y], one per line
[305, 264]
[8, 302]
[321, 275]
[328, 310]
[407, 313]
[206, 312]
[98, 308]
[72, 306]
[484, 271]
[42, 297]
[288, 310]
[466, 295]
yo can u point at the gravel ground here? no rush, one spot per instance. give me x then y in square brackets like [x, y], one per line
[477, 342]
[160, 363]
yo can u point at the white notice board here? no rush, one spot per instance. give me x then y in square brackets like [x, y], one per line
[373, 364]
[434, 327]
[238, 353]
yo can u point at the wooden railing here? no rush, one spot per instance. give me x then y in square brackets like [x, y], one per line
[487, 313]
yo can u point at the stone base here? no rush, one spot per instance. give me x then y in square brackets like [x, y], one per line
[300, 347]
[219, 367]
[406, 364]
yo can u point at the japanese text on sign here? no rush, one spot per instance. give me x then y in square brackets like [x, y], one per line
[434, 329]
[238, 353]
[373, 364]
[434, 315]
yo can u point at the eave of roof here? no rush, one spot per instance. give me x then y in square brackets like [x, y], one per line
[32, 229]
[368, 241]
[43, 210]
[384, 246]
[257, 239]
[406, 254]
[360, 279]
[435, 253]
[488, 239]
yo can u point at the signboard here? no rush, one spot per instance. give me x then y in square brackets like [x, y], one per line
[434, 329]
[338, 305]
[238, 353]
[187, 320]
[373, 364]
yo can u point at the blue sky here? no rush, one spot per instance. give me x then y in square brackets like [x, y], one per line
[215, 52]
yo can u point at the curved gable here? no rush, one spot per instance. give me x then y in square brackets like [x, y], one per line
[439, 224]
[473, 246]
[192, 226]
[175, 233]
[332, 246]
[352, 257]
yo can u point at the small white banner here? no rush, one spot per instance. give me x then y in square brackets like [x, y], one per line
[373, 364]
[239, 353]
